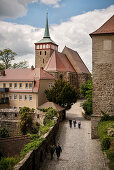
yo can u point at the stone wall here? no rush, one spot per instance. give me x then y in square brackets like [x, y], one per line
[94, 126]
[33, 159]
[11, 147]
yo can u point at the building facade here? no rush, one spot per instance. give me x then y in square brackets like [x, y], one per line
[103, 72]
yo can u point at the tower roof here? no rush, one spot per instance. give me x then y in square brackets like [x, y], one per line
[46, 38]
[106, 28]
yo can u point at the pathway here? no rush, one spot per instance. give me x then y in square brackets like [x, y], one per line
[79, 151]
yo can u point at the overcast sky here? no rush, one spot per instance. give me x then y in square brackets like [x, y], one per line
[22, 24]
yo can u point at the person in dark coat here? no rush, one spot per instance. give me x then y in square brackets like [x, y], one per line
[58, 151]
[70, 123]
[52, 150]
[79, 124]
[74, 122]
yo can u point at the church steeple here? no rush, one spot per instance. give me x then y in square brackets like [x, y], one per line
[46, 33]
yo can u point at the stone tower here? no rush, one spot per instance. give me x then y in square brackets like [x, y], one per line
[103, 72]
[44, 48]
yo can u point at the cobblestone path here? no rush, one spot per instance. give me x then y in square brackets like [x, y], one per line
[79, 151]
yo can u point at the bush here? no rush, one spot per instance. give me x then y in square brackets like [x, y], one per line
[49, 115]
[87, 106]
[3, 133]
[106, 117]
[105, 144]
[8, 163]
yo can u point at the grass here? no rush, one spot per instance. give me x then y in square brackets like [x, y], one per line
[102, 132]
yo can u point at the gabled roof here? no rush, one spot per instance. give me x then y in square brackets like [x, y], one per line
[106, 28]
[51, 104]
[26, 74]
[75, 60]
[58, 62]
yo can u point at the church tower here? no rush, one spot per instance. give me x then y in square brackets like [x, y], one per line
[44, 48]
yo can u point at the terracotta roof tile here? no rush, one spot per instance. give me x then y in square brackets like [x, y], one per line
[59, 62]
[106, 28]
[51, 104]
[80, 66]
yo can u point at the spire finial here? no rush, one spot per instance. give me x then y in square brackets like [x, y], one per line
[46, 33]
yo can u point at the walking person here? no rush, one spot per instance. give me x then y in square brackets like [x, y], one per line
[74, 122]
[52, 150]
[58, 151]
[70, 123]
[79, 124]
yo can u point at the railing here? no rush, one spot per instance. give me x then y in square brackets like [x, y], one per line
[4, 89]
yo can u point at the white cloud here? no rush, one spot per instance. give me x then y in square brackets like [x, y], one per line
[74, 34]
[18, 8]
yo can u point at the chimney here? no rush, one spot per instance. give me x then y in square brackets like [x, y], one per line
[32, 67]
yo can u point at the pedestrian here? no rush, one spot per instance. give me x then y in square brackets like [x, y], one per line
[70, 123]
[58, 151]
[79, 124]
[52, 150]
[74, 122]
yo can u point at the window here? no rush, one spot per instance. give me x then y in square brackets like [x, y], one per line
[40, 46]
[107, 44]
[30, 85]
[43, 60]
[4, 85]
[45, 52]
[25, 97]
[15, 96]
[15, 85]
[10, 97]
[26, 85]
[20, 85]
[37, 47]
[40, 53]
[30, 97]
[47, 46]
[20, 97]
[10, 85]
[43, 46]
[50, 85]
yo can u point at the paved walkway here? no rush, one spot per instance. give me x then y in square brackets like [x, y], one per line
[79, 151]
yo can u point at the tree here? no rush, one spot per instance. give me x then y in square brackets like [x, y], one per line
[62, 93]
[6, 56]
[2, 67]
[21, 64]
[86, 91]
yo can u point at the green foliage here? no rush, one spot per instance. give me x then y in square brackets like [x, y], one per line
[8, 163]
[86, 91]
[34, 144]
[3, 133]
[6, 56]
[49, 115]
[106, 117]
[21, 64]
[2, 67]
[62, 93]
[26, 120]
[44, 129]
[105, 144]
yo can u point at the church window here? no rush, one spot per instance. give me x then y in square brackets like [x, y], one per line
[43, 46]
[40, 46]
[107, 44]
[40, 53]
[45, 52]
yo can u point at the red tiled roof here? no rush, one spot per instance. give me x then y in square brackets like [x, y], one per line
[80, 66]
[26, 74]
[106, 28]
[59, 62]
[51, 104]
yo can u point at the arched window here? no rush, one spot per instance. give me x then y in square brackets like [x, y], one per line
[40, 53]
[45, 52]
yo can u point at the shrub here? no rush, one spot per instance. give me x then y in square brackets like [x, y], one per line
[3, 133]
[49, 116]
[8, 163]
[105, 143]
[106, 117]
[87, 106]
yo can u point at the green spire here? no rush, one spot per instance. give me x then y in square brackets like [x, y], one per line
[46, 33]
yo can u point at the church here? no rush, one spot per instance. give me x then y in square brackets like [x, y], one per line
[26, 87]
[66, 65]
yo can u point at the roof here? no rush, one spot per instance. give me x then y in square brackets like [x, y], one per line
[51, 104]
[26, 74]
[59, 62]
[106, 28]
[46, 40]
[75, 60]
